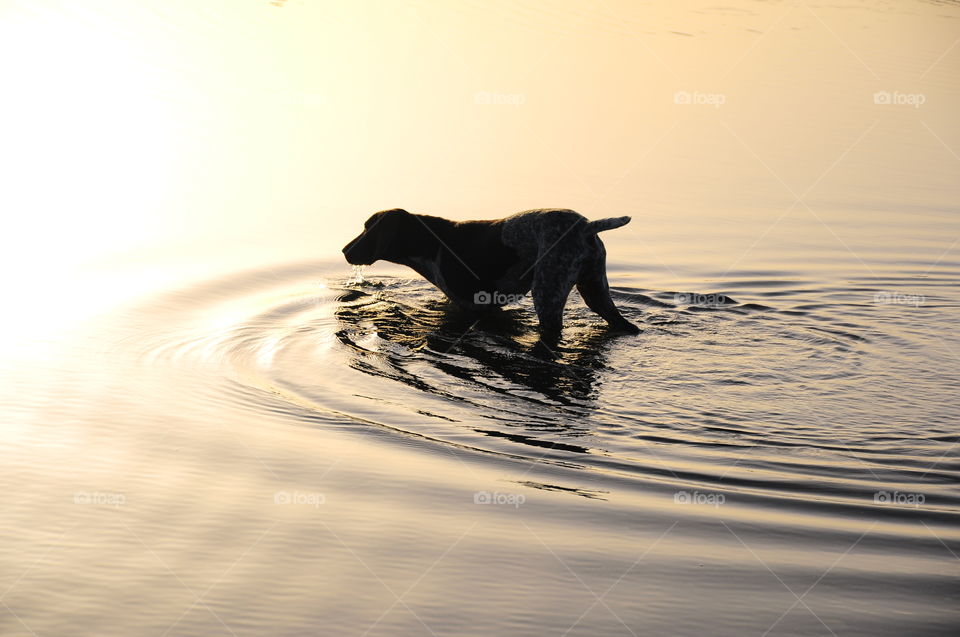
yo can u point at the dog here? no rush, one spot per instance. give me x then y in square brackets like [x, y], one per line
[481, 265]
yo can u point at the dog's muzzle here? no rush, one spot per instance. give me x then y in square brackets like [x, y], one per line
[355, 256]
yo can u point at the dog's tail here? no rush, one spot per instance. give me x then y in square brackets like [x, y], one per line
[607, 224]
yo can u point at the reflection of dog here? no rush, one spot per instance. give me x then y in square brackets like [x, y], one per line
[479, 264]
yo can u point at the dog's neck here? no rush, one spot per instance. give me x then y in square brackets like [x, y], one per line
[428, 244]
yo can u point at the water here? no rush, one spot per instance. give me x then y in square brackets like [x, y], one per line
[246, 437]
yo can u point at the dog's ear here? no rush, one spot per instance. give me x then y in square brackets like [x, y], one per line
[418, 234]
[391, 232]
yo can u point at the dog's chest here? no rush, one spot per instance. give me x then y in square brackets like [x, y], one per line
[431, 271]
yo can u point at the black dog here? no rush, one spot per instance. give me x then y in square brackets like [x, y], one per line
[484, 264]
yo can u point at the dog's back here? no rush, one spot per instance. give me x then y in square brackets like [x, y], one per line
[532, 231]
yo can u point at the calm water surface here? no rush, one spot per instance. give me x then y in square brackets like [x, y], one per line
[290, 448]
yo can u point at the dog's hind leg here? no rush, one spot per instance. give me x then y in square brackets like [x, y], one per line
[593, 287]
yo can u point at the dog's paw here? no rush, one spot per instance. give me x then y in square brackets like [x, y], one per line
[543, 351]
[626, 327]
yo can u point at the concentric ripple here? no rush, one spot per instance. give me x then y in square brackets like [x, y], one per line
[775, 388]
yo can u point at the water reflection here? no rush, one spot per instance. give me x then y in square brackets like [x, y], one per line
[495, 350]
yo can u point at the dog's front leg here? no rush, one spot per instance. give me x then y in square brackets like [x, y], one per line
[550, 292]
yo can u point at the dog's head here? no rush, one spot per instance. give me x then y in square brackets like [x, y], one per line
[382, 238]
